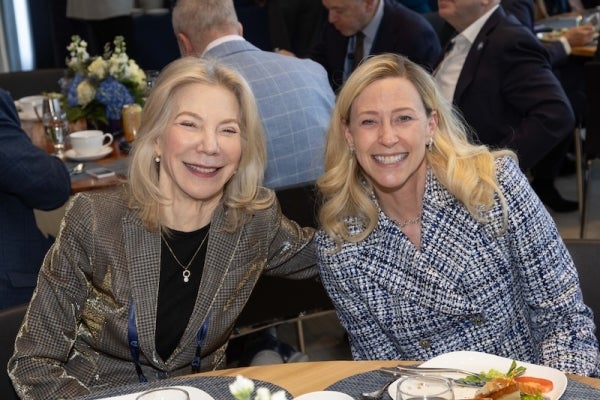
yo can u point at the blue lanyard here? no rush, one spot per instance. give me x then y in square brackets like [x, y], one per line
[134, 347]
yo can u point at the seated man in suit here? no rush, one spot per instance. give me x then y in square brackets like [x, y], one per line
[358, 28]
[498, 75]
[293, 95]
[29, 178]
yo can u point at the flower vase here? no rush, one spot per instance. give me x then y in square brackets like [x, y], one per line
[80, 125]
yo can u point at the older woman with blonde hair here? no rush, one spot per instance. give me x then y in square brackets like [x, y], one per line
[430, 244]
[147, 280]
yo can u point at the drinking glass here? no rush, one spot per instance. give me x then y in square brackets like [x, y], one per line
[424, 387]
[56, 125]
[164, 393]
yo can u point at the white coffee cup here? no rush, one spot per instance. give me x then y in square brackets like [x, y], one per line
[90, 142]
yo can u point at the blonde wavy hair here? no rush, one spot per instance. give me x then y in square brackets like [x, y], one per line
[241, 193]
[466, 170]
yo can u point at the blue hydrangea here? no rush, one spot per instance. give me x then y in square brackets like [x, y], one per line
[72, 91]
[114, 95]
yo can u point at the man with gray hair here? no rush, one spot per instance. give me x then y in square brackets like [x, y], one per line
[293, 95]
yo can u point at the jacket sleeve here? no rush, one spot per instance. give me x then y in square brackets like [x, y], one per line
[533, 91]
[45, 341]
[38, 179]
[291, 252]
[560, 320]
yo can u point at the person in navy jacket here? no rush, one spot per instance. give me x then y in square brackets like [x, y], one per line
[30, 178]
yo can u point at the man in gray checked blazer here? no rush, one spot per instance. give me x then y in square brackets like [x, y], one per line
[293, 95]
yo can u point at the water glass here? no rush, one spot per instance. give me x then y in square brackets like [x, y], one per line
[423, 387]
[164, 393]
[57, 128]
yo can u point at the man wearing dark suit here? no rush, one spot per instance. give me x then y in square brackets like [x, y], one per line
[503, 84]
[387, 26]
[29, 178]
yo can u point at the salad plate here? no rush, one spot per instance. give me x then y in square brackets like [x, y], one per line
[195, 394]
[482, 362]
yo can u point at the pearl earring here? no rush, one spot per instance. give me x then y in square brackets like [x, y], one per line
[157, 159]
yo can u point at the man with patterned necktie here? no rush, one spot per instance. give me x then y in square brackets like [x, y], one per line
[375, 27]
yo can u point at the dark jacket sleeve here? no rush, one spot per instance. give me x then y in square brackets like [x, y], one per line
[38, 179]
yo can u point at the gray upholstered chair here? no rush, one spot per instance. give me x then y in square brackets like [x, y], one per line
[10, 321]
[586, 255]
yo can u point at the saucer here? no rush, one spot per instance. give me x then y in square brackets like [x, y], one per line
[72, 155]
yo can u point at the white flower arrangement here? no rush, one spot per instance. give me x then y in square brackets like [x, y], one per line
[242, 389]
[101, 85]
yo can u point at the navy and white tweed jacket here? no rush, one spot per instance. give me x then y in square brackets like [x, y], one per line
[514, 294]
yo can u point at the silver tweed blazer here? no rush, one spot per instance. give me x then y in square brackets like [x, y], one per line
[469, 287]
[74, 337]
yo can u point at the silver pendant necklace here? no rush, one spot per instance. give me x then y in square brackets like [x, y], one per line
[186, 268]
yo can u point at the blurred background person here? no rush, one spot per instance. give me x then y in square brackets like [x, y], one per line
[294, 25]
[431, 244]
[30, 178]
[499, 76]
[357, 28]
[293, 97]
[145, 281]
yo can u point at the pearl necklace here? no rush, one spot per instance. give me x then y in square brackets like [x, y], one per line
[186, 268]
[406, 222]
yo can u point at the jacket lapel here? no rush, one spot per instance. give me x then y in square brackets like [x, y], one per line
[142, 249]
[473, 59]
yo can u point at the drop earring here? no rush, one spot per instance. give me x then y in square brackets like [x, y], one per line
[157, 159]
[430, 144]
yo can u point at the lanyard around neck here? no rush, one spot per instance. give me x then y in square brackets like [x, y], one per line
[134, 346]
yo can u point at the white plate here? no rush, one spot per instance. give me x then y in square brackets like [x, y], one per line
[27, 116]
[78, 157]
[324, 395]
[195, 394]
[477, 362]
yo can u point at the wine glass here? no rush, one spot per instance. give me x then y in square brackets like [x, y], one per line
[56, 125]
[57, 128]
[424, 387]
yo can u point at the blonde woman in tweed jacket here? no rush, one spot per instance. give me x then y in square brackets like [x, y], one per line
[167, 261]
[430, 244]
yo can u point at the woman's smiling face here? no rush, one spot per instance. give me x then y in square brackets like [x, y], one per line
[389, 130]
[202, 147]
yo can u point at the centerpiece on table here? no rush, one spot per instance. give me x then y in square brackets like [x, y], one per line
[242, 389]
[97, 88]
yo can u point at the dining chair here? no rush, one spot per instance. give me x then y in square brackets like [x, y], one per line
[26, 83]
[10, 321]
[587, 150]
[585, 254]
[277, 300]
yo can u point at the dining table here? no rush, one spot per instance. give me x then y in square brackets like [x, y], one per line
[116, 161]
[551, 28]
[295, 379]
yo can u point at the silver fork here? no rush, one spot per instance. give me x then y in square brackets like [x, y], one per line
[424, 370]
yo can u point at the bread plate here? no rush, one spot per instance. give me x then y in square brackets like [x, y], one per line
[195, 394]
[477, 362]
